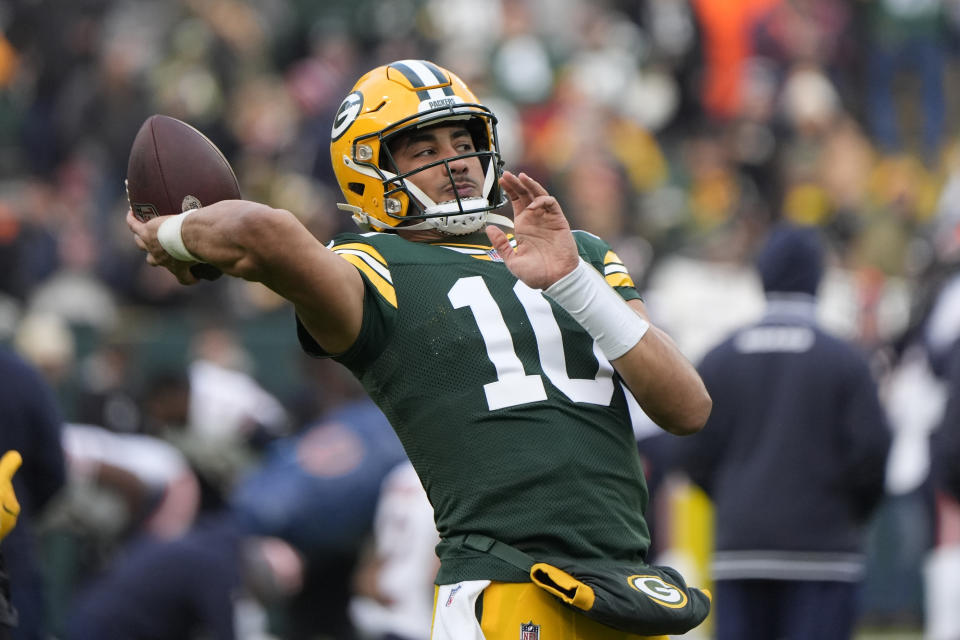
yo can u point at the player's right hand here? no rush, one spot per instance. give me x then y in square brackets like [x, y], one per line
[9, 507]
[145, 236]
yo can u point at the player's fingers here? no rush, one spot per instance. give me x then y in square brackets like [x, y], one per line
[9, 464]
[132, 223]
[499, 240]
[515, 188]
[532, 186]
[544, 204]
[509, 184]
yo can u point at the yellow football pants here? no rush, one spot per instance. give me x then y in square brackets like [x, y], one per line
[512, 611]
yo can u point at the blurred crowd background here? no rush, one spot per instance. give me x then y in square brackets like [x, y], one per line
[675, 129]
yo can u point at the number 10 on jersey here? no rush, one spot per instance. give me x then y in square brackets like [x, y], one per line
[513, 386]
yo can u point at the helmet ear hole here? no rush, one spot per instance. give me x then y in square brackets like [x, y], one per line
[356, 187]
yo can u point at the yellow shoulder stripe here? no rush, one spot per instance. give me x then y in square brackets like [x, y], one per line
[614, 272]
[619, 280]
[611, 257]
[379, 282]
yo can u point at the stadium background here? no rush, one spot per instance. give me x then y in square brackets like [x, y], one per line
[675, 129]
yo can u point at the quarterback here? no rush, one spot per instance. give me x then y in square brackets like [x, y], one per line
[500, 349]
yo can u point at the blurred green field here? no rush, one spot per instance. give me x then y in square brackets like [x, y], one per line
[890, 634]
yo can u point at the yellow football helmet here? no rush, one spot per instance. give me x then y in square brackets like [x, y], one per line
[387, 101]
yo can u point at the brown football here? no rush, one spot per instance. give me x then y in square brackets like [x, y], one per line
[172, 168]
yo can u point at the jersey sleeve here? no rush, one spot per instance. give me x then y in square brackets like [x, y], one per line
[379, 302]
[598, 253]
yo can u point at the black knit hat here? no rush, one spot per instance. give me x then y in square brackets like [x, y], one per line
[791, 260]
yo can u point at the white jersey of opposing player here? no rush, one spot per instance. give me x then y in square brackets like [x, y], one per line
[404, 541]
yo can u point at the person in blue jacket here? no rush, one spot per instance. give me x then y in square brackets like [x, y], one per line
[793, 457]
[318, 490]
[30, 423]
[9, 511]
[195, 585]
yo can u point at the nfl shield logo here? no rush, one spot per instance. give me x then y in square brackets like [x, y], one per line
[529, 631]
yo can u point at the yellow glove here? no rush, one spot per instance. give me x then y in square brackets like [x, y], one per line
[9, 507]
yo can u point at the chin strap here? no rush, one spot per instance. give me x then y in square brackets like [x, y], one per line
[499, 220]
[462, 215]
[368, 222]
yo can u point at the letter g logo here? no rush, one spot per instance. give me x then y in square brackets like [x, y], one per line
[346, 114]
[659, 591]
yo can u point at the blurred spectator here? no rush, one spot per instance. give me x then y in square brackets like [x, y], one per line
[227, 405]
[907, 36]
[47, 343]
[119, 486]
[809, 32]
[909, 580]
[108, 386]
[32, 426]
[216, 413]
[935, 334]
[942, 619]
[318, 490]
[726, 46]
[793, 457]
[74, 292]
[159, 492]
[394, 580]
[9, 464]
[201, 583]
[27, 248]
[166, 405]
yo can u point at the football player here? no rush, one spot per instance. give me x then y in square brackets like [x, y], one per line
[501, 350]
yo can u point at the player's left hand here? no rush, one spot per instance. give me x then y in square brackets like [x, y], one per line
[546, 250]
[145, 236]
[9, 507]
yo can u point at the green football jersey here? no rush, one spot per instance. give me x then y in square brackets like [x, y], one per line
[514, 420]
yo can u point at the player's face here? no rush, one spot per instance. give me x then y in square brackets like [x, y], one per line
[420, 148]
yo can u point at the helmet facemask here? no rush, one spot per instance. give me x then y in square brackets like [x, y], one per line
[405, 201]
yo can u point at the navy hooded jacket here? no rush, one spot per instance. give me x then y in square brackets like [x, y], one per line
[794, 452]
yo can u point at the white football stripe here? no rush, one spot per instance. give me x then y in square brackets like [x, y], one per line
[426, 76]
[372, 262]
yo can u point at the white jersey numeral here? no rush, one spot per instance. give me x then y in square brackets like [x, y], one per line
[512, 386]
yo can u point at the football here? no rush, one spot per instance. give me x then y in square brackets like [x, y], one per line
[172, 168]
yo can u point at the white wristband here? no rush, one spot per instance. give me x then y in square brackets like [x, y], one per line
[170, 238]
[586, 296]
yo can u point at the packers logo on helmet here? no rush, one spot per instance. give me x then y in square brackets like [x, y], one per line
[346, 114]
[385, 103]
